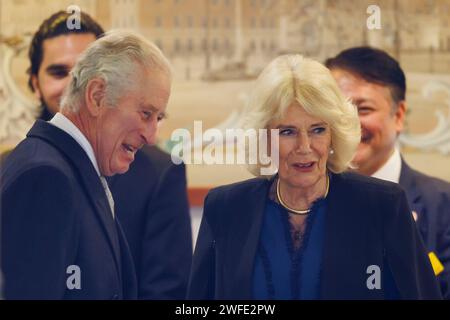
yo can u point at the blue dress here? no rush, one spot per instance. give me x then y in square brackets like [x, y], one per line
[281, 271]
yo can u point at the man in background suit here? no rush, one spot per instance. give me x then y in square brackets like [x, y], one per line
[376, 84]
[150, 199]
[60, 236]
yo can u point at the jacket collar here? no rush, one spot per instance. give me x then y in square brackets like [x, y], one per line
[344, 227]
[250, 222]
[409, 182]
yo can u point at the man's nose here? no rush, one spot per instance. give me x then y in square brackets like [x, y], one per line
[149, 132]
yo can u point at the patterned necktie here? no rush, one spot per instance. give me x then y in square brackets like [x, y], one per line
[108, 194]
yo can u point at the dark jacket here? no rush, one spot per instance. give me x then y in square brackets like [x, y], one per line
[55, 215]
[152, 205]
[368, 223]
[429, 198]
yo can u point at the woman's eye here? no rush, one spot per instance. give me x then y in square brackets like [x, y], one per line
[286, 132]
[318, 130]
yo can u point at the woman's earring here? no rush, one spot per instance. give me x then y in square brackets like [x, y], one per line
[331, 151]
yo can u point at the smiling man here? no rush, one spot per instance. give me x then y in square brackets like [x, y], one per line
[153, 223]
[58, 213]
[376, 84]
[53, 53]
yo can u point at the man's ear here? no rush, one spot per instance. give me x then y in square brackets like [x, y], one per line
[36, 88]
[95, 96]
[400, 115]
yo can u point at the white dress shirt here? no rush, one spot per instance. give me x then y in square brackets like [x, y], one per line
[390, 171]
[63, 123]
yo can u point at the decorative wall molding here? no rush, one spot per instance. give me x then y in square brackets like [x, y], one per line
[438, 139]
[17, 112]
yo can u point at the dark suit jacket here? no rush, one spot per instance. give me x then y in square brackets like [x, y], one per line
[55, 214]
[151, 203]
[368, 223]
[430, 199]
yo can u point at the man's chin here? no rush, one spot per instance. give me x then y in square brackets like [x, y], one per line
[362, 157]
[122, 170]
[119, 169]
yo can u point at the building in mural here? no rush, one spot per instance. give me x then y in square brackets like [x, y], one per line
[216, 46]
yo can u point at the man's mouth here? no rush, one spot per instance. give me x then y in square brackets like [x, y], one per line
[365, 137]
[129, 148]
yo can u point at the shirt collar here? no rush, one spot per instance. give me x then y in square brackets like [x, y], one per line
[63, 123]
[390, 171]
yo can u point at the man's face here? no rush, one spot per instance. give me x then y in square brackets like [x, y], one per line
[59, 56]
[123, 129]
[380, 121]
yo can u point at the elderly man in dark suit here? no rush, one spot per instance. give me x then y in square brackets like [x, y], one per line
[60, 235]
[376, 84]
[153, 222]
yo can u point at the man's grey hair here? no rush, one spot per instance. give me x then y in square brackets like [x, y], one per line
[117, 58]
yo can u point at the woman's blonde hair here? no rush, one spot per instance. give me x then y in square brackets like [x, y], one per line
[292, 79]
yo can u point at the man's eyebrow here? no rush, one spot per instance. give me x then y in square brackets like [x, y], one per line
[362, 100]
[57, 67]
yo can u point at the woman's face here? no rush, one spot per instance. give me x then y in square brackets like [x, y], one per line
[304, 146]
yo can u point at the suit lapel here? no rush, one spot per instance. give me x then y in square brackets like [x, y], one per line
[248, 226]
[409, 183]
[345, 253]
[87, 174]
[332, 267]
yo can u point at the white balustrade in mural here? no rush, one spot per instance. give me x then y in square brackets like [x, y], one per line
[17, 111]
[438, 139]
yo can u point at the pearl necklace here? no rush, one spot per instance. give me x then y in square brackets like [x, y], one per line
[294, 211]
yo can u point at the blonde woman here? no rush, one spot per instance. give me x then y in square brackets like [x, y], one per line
[310, 231]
